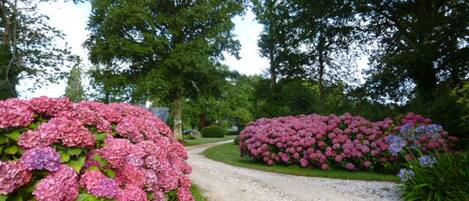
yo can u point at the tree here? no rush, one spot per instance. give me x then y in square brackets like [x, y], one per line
[168, 49]
[307, 39]
[419, 45]
[28, 47]
[74, 89]
[327, 30]
[279, 40]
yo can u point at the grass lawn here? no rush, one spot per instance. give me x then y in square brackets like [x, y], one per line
[197, 194]
[229, 153]
[203, 140]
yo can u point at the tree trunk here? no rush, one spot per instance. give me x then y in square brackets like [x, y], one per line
[321, 79]
[273, 70]
[177, 116]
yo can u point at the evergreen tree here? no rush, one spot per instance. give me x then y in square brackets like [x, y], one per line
[74, 89]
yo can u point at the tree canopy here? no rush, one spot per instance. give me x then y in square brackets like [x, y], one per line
[170, 50]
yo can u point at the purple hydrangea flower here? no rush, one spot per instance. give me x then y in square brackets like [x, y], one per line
[427, 161]
[99, 185]
[41, 159]
[396, 144]
[405, 174]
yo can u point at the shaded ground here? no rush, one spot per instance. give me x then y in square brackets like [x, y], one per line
[222, 182]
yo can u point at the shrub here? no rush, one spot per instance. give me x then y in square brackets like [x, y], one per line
[213, 132]
[441, 178]
[350, 142]
[232, 133]
[236, 140]
[54, 150]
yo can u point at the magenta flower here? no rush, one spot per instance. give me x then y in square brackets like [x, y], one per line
[13, 175]
[58, 186]
[99, 185]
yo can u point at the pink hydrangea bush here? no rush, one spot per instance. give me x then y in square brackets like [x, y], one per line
[349, 142]
[53, 149]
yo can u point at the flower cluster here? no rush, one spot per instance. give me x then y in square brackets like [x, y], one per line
[405, 174]
[114, 151]
[350, 142]
[41, 158]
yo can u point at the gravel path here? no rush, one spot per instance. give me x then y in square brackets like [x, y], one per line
[222, 182]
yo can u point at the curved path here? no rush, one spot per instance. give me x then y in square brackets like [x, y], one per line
[222, 182]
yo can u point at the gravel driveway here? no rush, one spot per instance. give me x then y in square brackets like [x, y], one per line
[222, 182]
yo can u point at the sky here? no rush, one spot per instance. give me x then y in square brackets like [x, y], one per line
[72, 20]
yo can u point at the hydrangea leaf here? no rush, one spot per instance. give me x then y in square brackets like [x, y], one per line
[64, 157]
[3, 140]
[74, 151]
[12, 150]
[110, 173]
[100, 159]
[86, 197]
[100, 137]
[77, 164]
[3, 197]
[14, 135]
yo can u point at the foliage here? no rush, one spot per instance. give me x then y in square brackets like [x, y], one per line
[236, 140]
[233, 106]
[462, 94]
[74, 90]
[446, 179]
[29, 48]
[229, 154]
[232, 133]
[213, 132]
[169, 50]
[350, 142]
[51, 148]
[418, 43]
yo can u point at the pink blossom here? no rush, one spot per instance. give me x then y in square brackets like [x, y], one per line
[12, 176]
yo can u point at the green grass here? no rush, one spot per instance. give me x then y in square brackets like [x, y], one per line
[197, 193]
[229, 153]
[203, 140]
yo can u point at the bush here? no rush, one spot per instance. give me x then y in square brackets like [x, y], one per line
[350, 142]
[232, 133]
[445, 178]
[53, 149]
[236, 140]
[213, 132]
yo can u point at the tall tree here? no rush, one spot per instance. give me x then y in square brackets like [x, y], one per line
[28, 47]
[327, 30]
[74, 89]
[420, 43]
[168, 49]
[279, 40]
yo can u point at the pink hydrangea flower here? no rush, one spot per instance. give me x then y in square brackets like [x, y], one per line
[12, 176]
[58, 186]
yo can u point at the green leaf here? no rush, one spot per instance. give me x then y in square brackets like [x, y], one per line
[77, 164]
[110, 173]
[74, 151]
[93, 168]
[12, 150]
[3, 140]
[100, 137]
[14, 135]
[64, 157]
[100, 159]
[86, 197]
[3, 197]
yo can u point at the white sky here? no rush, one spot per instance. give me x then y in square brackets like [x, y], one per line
[72, 20]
